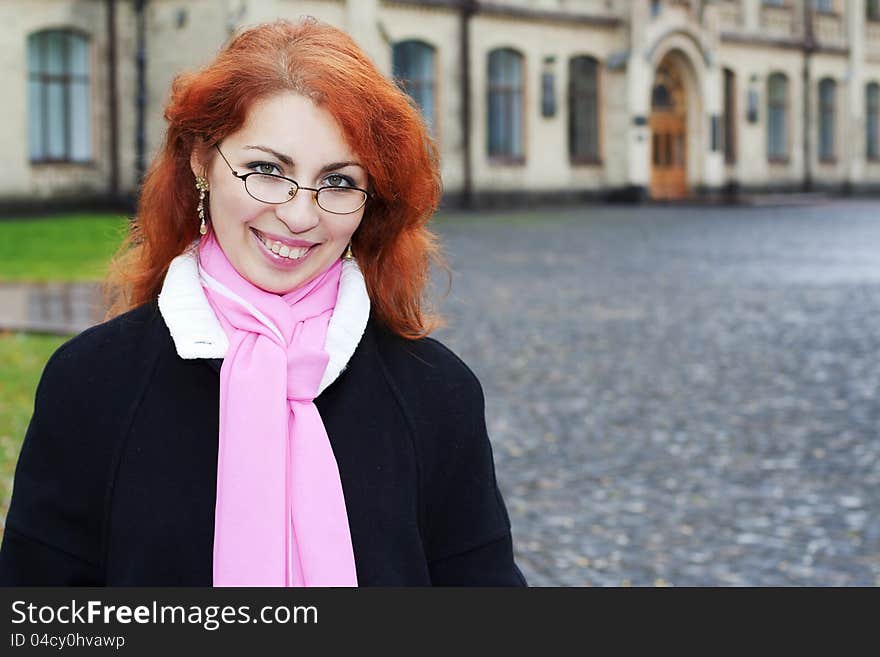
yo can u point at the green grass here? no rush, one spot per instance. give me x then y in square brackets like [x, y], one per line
[22, 358]
[68, 248]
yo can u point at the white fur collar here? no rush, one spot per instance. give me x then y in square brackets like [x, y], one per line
[197, 333]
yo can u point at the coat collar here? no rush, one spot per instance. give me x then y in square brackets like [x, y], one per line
[197, 332]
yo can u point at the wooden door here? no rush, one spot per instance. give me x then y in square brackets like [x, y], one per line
[668, 155]
[668, 132]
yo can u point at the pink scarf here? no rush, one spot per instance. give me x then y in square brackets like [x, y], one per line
[280, 517]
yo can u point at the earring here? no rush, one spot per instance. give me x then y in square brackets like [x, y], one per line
[202, 186]
[348, 254]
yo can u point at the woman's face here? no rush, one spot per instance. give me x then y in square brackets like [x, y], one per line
[285, 134]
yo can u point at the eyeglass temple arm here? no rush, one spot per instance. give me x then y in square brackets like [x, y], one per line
[234, 172]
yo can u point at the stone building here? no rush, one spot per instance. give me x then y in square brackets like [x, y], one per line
[527, 99]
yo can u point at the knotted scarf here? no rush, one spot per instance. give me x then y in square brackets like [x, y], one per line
[280, 517]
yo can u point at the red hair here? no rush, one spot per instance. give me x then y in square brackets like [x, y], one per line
[381, 124]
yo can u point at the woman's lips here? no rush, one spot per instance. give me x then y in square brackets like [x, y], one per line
[279, 261]
[285, 241]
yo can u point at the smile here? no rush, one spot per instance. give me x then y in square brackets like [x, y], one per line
[282, 250]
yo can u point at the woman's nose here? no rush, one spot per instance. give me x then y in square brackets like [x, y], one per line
[299, 213]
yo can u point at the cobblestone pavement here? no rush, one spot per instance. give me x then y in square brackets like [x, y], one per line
[682, 396]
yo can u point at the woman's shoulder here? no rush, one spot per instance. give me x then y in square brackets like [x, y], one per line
[427, 367]
[125, 331]
[86, 391]
[106, 352]
[126, 327]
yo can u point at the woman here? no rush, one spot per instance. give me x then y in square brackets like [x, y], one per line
[263, 406]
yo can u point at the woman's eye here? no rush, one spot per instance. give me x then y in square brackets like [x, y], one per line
[264, 167]
[338, 180]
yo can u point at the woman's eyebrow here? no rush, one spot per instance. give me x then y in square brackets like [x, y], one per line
[289, 161]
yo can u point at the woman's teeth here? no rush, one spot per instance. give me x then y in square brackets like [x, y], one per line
[288, 252]
[292, 252]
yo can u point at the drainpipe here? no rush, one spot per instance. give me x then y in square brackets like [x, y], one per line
[809, 48]
[467, 8]
[141, 100]
[112, 109]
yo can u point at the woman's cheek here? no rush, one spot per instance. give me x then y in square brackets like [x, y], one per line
[235, 211]
[346, 229]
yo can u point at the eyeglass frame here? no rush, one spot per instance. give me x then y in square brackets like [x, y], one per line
[297, 186]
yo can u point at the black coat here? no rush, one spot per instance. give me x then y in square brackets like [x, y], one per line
[116, 481]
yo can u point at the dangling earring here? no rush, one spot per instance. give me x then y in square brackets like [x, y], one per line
[348, 254]
[202, 186]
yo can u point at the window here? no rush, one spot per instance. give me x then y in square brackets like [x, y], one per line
[505, 104]
[583, 109]
[548, 94]
[824, 6]
[59, 119]
[827, 93]
[872, 121]
[661, 98]
[729, 116]
[777, 119]
[872, 10]
[413, 66]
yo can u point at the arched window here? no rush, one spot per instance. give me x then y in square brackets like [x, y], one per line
[777, 117]
[505, 104]
[59, 119]
[827, 100]
[413, 66]
[872, 121]
[583, 109]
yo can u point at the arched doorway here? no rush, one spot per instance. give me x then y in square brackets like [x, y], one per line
[669, 132]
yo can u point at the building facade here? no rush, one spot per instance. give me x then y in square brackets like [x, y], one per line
[527, 99]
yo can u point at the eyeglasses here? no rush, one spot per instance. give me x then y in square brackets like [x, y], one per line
[275, 189]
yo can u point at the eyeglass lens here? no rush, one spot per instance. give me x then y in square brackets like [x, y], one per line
[272, 189]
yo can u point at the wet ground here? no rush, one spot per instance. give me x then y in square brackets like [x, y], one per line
[682, 396]
[675, 395]
[59, 308]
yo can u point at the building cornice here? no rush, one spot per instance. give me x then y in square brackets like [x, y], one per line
[776, 42]
[515, 11]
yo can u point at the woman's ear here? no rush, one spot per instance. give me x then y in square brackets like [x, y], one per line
[196, 163]
[201, 157]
